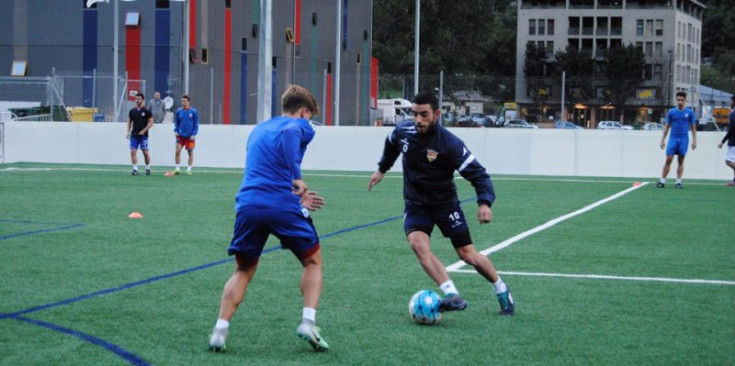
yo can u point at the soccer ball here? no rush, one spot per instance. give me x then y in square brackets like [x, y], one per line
[424, 307]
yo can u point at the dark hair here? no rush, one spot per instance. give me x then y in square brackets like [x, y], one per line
[186, 96]
[426, 97]
[681, 94]
[296, 97]
[140, 95]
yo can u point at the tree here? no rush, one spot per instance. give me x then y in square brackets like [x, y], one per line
[579, 67]
[625, 74]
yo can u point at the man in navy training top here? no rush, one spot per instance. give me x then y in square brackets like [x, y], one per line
[431, 154]
[730, 139]
[140, 120]
[680, 120]
[274, 199]
[186, 127]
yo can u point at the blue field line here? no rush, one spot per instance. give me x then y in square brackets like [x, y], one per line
[24, 233]
[123, 353]
[126, 355]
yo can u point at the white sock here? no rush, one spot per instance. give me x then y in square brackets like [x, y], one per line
[500, 286]
[222, 324]
[147, 167]
[309, 314]
[662, 180]
[678, 181]
[135, 166]
[188, 168]
[178, 168]
[449, 288]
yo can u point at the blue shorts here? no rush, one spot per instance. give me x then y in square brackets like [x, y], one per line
[139, 142]
[292, 226]
[450, 219]
[677, 146]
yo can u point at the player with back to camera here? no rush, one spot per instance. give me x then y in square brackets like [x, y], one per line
[431, 154]
[680, 120]
[274, 199]
[140, 121]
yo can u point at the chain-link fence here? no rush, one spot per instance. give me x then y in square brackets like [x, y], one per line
[584, 101]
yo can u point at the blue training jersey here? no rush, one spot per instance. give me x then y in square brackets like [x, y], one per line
[275, 150]
[680, 121]
[186, 122]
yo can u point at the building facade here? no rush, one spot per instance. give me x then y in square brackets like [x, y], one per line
[71, 42]
[668, 32]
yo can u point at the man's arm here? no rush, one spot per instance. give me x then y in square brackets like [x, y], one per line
[130, 128]
[663, 138]
[177, 122]
[391, 150]
[195, 128]
[148, 126]
[290, 149]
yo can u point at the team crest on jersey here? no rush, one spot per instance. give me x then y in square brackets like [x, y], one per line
[431, 155]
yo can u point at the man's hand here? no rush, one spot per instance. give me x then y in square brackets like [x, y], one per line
[312, 201]
[719, 146]
[127, 136]
[694, 145]
[192, 137]
[484, 214]
[663, 144]
[375, 179]
[299, 187]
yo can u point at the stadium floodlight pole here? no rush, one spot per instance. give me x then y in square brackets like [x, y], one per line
[115, 62]
[337, 61]
[265, 61]
[563, 80]
[416, 49]
[185, 47]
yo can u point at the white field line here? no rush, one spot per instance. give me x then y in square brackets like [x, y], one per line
[508, 242]
[605, 277]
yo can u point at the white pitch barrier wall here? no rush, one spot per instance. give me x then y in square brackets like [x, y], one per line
[502, 151]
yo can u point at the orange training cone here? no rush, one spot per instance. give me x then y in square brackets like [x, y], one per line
[636, 184]
[169, 174]
[135, 215]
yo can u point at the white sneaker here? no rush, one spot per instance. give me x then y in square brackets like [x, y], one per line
[217, 340]
[310, 333]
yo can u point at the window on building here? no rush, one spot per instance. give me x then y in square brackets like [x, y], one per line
[601, 26]
[205, 55]
[574, 43]
[657, 71]
[649, 49]
[587, 44]
[616, 26]
[639, 27]
[550, 49]
[532, 27]
[550, 27]
[574, 26]
[648, 72]
[659, 27]
[588, 26]
[541, 27]
[639, 46]
[616, 43]
[649, 27]
[658, 50]
[689, 32]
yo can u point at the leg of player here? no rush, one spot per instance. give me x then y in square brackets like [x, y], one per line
[311, 289]
[665, 173]
[190, 162]
[134, 160]
[420, 243]
[147, 157]
[177, 158]
[679, 171]
[484, 266]
[731, 164]
[232, 296]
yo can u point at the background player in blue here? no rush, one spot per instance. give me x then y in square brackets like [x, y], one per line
[431, 154]
[186, 127]
[140, 120]
[273, 199]
[730, 139]
[679, 120]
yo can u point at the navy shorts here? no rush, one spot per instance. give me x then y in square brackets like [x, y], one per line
[138, 142]
[450, 219]
[292, 226]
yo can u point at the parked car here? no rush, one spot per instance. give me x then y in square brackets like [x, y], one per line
[519, 123]
[467, 121]
[612, 125]
[653, 126]
[568, 125]
[448, 119]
